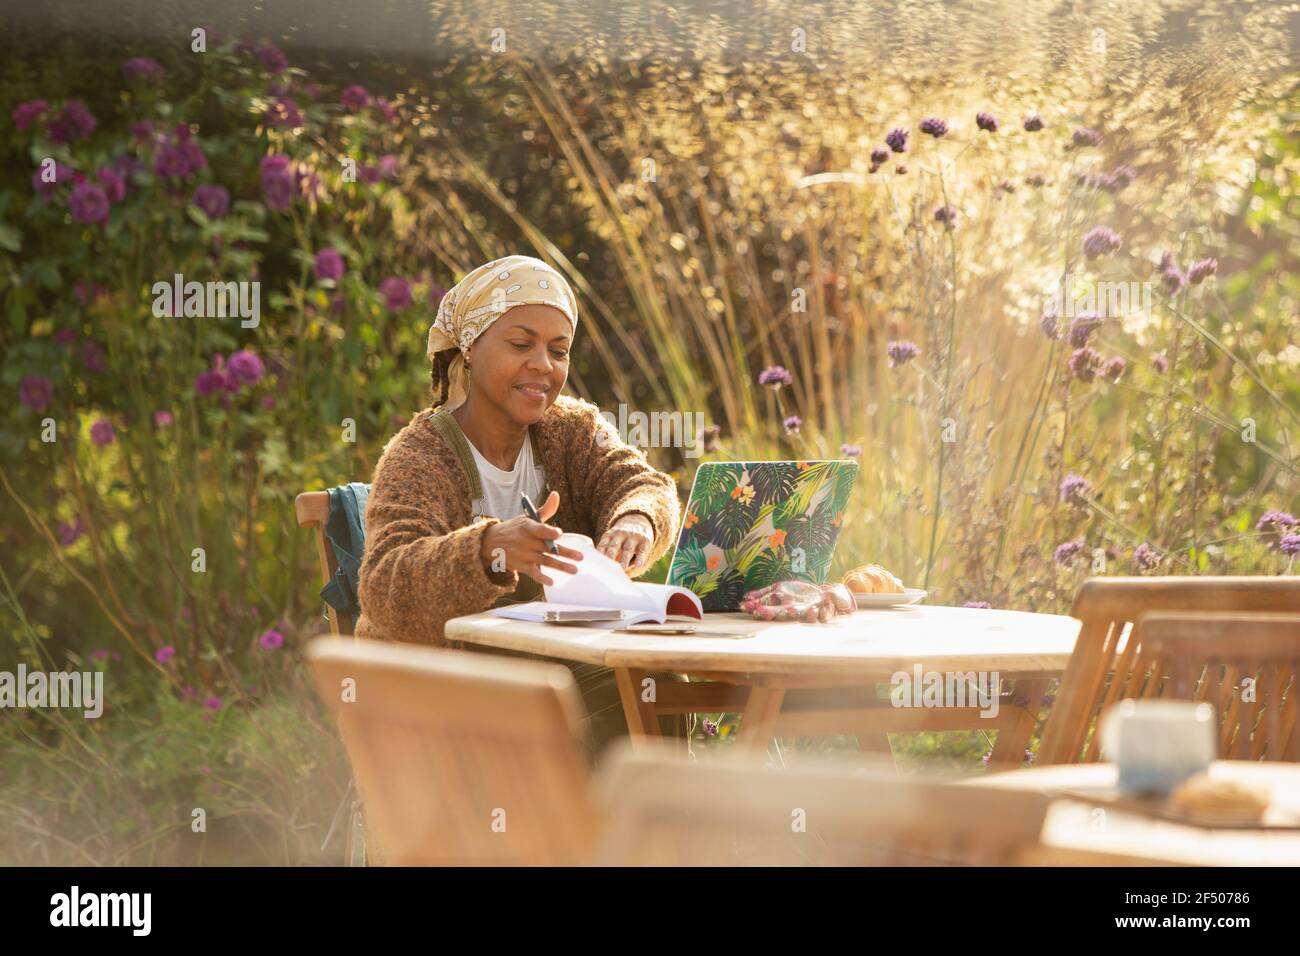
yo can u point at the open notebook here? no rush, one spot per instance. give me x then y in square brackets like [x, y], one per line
[602, 584]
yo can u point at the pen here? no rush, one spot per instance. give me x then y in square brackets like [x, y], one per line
[532, 513]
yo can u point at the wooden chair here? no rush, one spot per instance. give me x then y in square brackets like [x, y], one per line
[1104, 667]
[313, 510]
[663, 810]
[460, 758]
[1226, 659]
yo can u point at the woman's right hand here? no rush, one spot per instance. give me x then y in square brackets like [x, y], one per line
[520, 545]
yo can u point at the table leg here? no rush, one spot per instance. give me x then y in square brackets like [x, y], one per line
[1009, 750]
[758, 721]
[640, 714]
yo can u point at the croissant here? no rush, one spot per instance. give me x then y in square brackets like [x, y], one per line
[872, 579]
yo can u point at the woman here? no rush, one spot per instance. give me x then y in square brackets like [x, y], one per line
[445, 530]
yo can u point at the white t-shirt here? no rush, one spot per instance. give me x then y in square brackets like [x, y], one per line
[502, 489]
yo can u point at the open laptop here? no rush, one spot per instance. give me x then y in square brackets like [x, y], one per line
[753, 523]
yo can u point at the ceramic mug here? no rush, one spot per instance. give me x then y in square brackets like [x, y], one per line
[1157, 744]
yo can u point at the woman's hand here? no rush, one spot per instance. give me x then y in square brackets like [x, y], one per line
[520, 545]
[628, 541]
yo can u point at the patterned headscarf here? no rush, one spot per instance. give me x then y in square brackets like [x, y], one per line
[482, 297]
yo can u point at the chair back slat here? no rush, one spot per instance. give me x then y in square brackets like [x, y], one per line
[460, 758]
[313, 511]
[1106, 666]
[1259, 658]
[729, 810]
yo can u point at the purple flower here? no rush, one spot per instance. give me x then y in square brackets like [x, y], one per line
[1075, 489]
[171, 163]
[245, 368]
[396, 292]
[210, 382]
[1275, 521]
[36, 392]
[900, 353]
[329, 265]
[1170, 274]
[65, 336]
[25, 114]
[88, 204]
[988, 755]
[792, 424]
[355, 98]
[1161, 364]
[851, 451]
[214, 200]
[162, 418]
[272, 60]
[271, 640]
[774, 376]
[1200, 271]
[879, 156]
[1050, 324]
[93, 359]
[164, 654]
[99, 654]
[113, 182]
[1146, 558]
[141, 67]
[277, 182]
[978, 604]
[1084, 324]
[386, 110]
[74, 122]
[710, 728]
[212, 703]
[987, 122]
[311, 91]
[142, 131]
[1100, 241]
[896, 139]
[268, 401]
[1084, 136]
[388, 166]
[283, 113]
[1033, 123]
[947, 215]
[1083, 363]
[1118, 178]
[369, 173]
[1067, 552]
[934, 126]
[1113, 368]
[69, 534]
[1035, 179]
[102, 433]
[1290, 545]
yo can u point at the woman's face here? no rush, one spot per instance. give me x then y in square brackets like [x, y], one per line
[519, 365]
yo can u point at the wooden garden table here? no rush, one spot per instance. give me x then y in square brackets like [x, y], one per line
[1083, 832]
[794, 679]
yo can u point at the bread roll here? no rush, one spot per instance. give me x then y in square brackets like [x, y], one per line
[872, 579]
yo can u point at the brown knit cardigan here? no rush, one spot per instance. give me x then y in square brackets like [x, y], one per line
[422, 563]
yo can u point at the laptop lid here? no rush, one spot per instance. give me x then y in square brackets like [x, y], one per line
[750, 524]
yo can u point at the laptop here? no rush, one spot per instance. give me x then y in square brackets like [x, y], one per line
[753, 523]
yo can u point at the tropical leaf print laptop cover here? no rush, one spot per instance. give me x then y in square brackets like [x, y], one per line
[749, 524]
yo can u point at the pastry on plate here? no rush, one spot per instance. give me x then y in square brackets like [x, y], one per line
[872, 579]
[1220, 799]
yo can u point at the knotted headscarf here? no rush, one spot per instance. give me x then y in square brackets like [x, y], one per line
[482, 297]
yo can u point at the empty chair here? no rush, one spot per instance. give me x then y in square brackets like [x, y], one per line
[1243, 664]
[662, 809]
[1104, 666]
[460, 758]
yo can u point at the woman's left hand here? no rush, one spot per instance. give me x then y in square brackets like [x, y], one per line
[628, 541]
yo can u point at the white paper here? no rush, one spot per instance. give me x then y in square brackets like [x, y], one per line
[601, 582]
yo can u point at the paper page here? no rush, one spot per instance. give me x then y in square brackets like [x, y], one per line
[599, 582]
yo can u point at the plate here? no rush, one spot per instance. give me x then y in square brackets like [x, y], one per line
[909, 596]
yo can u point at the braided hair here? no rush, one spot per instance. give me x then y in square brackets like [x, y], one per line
[440, 376]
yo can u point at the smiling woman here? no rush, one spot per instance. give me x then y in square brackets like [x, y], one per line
[446, 532]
